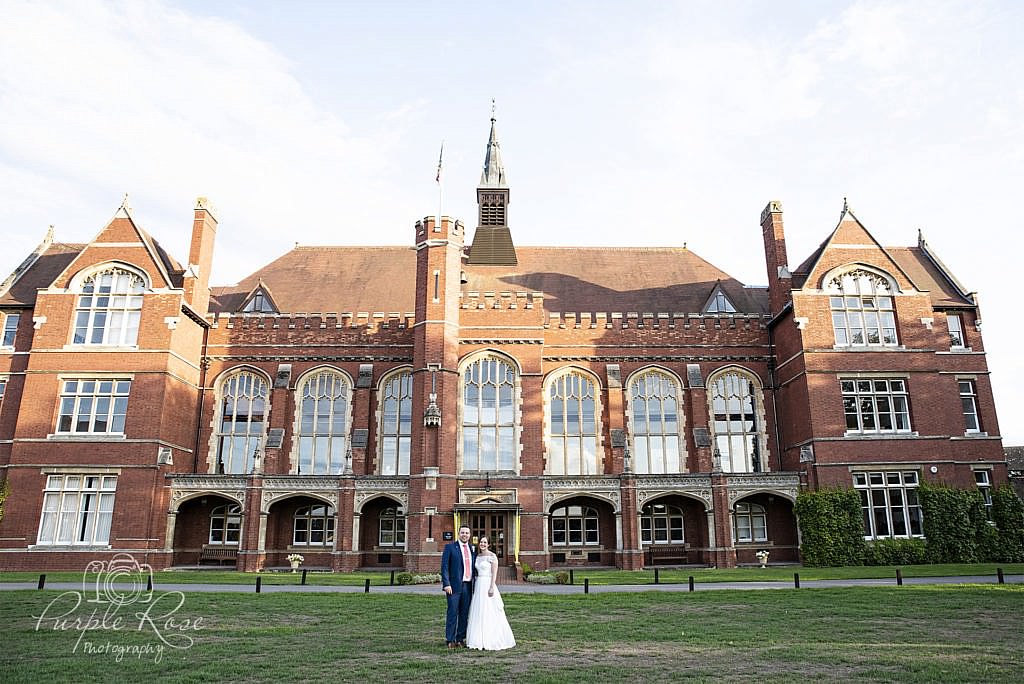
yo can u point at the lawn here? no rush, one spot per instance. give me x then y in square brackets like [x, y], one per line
[596, 576]
[922, 633]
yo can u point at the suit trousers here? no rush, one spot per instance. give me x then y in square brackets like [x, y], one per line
[457, 617]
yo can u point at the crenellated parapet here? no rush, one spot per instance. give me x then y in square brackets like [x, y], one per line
[344, 327]
[655, 320]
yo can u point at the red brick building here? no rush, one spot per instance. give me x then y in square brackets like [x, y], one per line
[587, 405]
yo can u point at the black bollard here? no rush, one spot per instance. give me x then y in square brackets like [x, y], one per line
[303, 577]
[42, 581]
[366, 586]
[572, 578]
[796, 580]
[691, 582]
[657, 578]
[149, 583]
[899, 577]
[259, 584]
[586, 585]
[392, 578]
[999, 574]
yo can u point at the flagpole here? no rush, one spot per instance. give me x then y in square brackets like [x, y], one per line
[440, 186]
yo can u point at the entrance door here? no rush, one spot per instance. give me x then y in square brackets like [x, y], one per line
[493, 525]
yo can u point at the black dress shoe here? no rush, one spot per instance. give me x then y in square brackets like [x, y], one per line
[462, 644]
[451, 645]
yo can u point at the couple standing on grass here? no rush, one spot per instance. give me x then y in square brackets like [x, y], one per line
[475, 617]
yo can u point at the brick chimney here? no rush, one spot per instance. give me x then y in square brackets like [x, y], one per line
[780, 281]
[200, 256]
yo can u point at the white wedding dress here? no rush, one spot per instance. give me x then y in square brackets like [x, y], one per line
[488, 627]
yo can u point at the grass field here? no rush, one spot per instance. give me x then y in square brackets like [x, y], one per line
[596, 577]
[909, 634]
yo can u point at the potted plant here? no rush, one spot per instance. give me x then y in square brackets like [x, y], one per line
[295, 559]
[762, 557]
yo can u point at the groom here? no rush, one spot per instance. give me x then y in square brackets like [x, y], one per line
[457, 569]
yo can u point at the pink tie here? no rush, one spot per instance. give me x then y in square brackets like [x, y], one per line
[465, 563]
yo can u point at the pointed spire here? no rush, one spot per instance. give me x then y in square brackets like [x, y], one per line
[493, 175]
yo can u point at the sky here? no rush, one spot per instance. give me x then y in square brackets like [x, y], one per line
[641, 123]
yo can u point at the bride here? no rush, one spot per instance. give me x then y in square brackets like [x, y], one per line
[488, 628]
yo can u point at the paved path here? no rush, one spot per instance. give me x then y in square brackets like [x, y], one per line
[530, 588]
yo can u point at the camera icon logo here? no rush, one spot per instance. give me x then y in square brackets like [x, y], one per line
[122, 581]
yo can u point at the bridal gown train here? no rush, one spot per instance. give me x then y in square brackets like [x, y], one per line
[488, 627]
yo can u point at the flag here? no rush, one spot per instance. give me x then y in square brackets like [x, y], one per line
[439, 160]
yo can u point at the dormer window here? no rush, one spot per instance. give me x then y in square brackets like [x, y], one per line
[719, 303]
[863, 312]
[109, 308]
[259, 302]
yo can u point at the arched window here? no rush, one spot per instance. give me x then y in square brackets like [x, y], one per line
[749, 523]
[396, 424]
[735, 408]
[572, 429]
[654, 407]
[661, 524]
[225, 524]
[488, 415]
[574, 526]
[323, 423]
[314, 526]
[109, 307]
[863, 311]
[243, 415]
[392, 527]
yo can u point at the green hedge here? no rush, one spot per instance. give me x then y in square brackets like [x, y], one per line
[956, 526]
[831, 527]
[1008, 515]
[895, 552]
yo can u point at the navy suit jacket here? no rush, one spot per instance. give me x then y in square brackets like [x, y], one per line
[452, 568]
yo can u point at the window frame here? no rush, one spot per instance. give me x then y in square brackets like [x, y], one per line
[306, 517]
[252, 440]
[957, 336]
[230, 513]
[69, 500]
[324, 435]
[669, 516]
[576, 387]
[394, 444]
[754, 458]
[983, 481]
[395, 515]
[95, 312]
[588, 529]
[751, 512]
[642, 438]
[852, 309]
[499, 436]
[854, 405]
[9, 335]
[77, 401]
[876, 488]
[969, 406]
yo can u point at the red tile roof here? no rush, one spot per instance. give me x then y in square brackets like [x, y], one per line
[611, 279]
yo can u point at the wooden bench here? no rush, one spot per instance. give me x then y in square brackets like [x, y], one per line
[667, 555]
[219, 553]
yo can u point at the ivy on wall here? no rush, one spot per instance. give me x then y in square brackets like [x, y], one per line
[955, 525]
[831, 527]
[1008, 515]
[5, 490]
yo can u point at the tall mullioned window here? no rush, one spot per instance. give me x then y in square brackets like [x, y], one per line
[396, 424]
[735, 410]
[654, 408]
[488, 415]
[242, 422]
[77, 510]
[323, 423]
[863, 312]
[93, 406]
[572, 429]
[889, 503]
[109, 308]
[969, 405]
